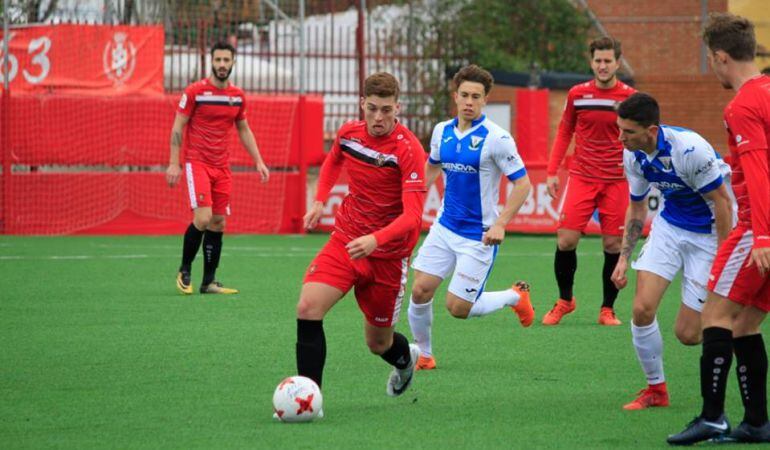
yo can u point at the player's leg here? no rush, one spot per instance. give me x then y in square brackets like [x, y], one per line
[212, 238]
[647, 339]
[379, 292]
[466, 294]
[613, 202]
[435, 260]
[728, 278]
[575, 209]
[420, 314]
[328, 277]
[751, 371]
[199, 193]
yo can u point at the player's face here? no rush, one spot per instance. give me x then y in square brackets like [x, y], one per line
[634, 136]
[380, 114]
[717, 62]
[222, 64]
[604, 65]
[470, 98]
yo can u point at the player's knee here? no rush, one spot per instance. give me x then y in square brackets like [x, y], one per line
[421, 294]
[457, 310]
[643, 314]
[216, 225]
[689, 336]
[567, 243]
[307, 309]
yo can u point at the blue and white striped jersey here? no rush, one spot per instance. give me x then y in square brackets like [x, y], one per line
[473, 162]
[683, 167]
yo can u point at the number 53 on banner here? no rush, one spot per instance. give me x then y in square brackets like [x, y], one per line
[99, 59]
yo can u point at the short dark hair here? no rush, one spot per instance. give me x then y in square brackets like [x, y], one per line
[641, 108]
[475, 74]
[605, 43]
[732, 34]
[221, 45]
[381, 84]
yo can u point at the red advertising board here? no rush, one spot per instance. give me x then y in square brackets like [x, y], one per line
[539, 214]
[99, 59]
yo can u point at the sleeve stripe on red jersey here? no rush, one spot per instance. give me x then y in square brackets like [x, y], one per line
[368, 155]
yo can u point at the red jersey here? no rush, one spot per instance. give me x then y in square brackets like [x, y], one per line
[590, 114]
[379, 169]
[747, 118]
[212, 112]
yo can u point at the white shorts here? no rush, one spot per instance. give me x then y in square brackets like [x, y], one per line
[443, 252]
[669, 249]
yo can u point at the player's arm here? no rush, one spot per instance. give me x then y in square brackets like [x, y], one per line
[250, 143]
[409, 220]
[174, 169]
[723, 211]
[327, 176]
[757, 173]
[432, 171]
[496, 233]
[635, 216]
[560, 145]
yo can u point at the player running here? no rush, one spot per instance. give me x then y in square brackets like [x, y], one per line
[596, 178]
[739, 285]
[375, 231]
[473, 152]
[207, 110]
[697, 213]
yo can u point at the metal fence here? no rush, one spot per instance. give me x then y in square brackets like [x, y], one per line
[324, 47]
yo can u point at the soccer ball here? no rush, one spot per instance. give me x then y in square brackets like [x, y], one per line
[297, 399]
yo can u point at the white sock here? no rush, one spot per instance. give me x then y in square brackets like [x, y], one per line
[489, 302]
[648, 343]
[421, 321]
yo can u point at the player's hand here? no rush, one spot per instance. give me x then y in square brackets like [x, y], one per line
[361, 247]
[619, 274]
[264, 172]
[552, 183]
[761, 257]
[313, 215]
[173, 173]
[494, 235]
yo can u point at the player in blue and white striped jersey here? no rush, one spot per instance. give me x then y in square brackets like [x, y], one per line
[697, 214]
[473, 153]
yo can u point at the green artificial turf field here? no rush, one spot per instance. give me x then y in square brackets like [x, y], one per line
[99, 351]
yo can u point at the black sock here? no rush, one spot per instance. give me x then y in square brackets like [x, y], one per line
[564, 266]
[398, 354]
[714, 369]
[610, 291]
[212, 250]
[190, 246]
[751, 368]
[311, 349]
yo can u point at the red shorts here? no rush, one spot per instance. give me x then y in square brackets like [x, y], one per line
[209, 186]
[582, 196]
[379, 283]
[732, 278]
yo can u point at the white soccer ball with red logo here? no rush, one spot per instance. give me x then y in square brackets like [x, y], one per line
[297, 399]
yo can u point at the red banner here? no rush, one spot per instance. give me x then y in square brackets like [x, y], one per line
[99, 59]
[538, 214]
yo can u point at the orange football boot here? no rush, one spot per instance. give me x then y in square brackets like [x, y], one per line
[560, 309]
[524, 308]
[652, 396]
[607, 317]
[425, 363]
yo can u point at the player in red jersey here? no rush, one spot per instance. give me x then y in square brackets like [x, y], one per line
[375, 230]
[596, 178]
[739, 283]
[207, 111]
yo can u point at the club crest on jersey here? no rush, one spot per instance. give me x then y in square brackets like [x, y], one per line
[380, 160]
[666, 161]
[475, 142]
